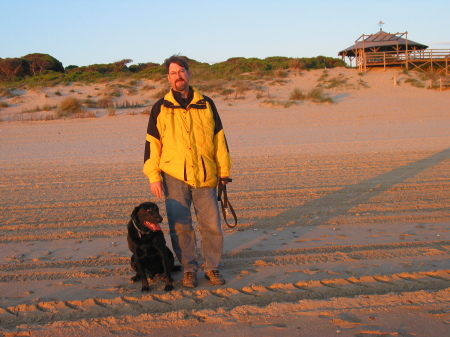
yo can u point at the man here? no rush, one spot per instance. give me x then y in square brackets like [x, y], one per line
[186, 154]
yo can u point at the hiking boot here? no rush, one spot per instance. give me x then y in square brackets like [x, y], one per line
[190, 279]
[214, 277]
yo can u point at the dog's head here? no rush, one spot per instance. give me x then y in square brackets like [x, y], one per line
[146, 217]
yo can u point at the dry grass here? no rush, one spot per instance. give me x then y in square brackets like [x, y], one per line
[104, 103]
[111, 111]
[297, 95]
[69, 106]
[315, 95]
[160, 93]
[6, 93]
[278, 103]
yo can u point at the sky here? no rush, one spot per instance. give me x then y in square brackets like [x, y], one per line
[85, 32]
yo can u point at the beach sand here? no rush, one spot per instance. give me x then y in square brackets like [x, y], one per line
[344, 216]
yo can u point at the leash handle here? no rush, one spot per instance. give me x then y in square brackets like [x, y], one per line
[225, 203]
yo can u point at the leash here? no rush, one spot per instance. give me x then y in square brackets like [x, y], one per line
[225, 202]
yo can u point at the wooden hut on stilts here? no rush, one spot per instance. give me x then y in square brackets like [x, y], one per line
[381, 49]
[387, 50]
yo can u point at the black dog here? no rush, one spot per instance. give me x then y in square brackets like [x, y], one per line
[148, 245]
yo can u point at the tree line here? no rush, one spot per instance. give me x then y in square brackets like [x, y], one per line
[42, 67]
[28, 65]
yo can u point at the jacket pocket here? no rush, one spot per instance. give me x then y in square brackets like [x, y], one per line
[167, 159]
[209, 169]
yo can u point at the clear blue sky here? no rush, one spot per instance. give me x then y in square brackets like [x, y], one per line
[85, 32]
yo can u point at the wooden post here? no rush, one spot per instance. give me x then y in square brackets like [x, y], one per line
[364, 54]
[365, 61]
[446, 66]
[406, 52]
[431, 62]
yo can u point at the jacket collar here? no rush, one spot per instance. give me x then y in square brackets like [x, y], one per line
[174, 100]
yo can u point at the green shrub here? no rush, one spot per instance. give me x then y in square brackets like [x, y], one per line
[51, 74]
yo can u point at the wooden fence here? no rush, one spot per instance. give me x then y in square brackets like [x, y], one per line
[444, 83]
[435, 61]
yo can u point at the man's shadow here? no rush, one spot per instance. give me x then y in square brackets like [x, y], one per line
[337, 204]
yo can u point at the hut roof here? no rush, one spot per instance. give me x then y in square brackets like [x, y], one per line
[382, 41]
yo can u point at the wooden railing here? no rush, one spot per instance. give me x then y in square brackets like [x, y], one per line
[444, 83]
[437, 60]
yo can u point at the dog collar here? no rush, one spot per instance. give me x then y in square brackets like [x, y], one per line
[137, 228]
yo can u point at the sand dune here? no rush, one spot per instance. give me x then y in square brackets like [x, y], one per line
[344, 221]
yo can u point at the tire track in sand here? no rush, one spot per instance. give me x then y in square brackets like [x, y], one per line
[228, 297]
[50, 270]
[260, 294]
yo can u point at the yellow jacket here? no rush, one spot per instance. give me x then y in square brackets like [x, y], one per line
[186, 141]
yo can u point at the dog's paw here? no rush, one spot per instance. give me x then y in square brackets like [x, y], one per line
[168, 287]
[145, 289]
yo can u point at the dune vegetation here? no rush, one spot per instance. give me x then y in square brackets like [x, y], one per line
[44, 70]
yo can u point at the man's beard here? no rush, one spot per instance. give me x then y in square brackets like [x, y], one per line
[180, 85]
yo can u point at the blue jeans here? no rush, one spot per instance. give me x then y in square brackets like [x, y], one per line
[179, 197]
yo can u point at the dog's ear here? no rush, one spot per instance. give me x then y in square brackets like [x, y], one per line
[134, 214]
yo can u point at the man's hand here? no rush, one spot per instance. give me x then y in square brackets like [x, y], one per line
[224, 180]
[157, 189]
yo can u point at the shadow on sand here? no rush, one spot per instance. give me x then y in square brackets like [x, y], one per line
[337, 204]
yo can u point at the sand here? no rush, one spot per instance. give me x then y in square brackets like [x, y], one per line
[344, 216]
